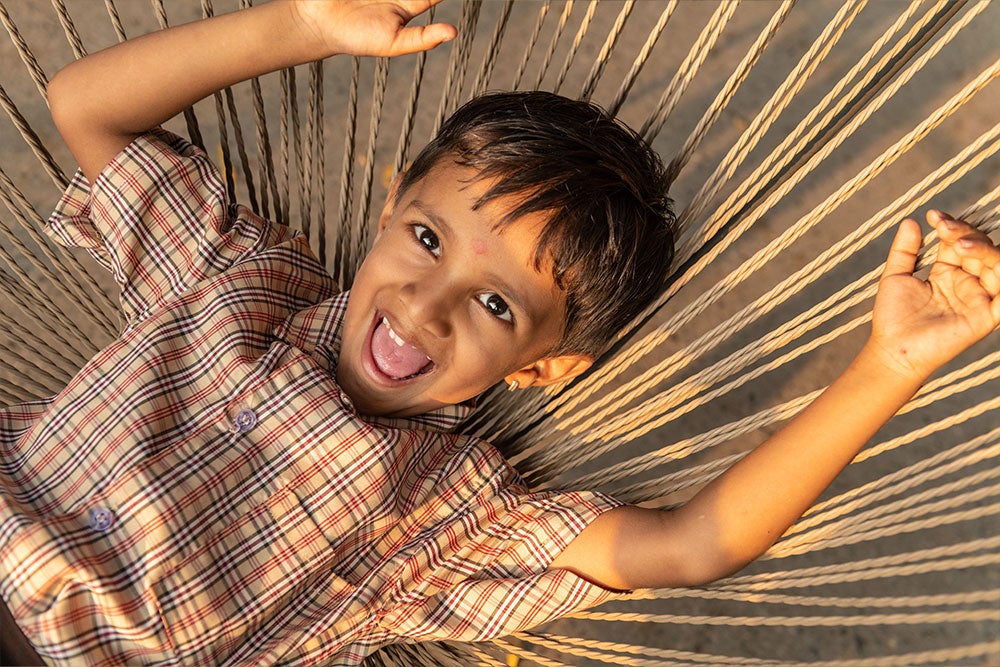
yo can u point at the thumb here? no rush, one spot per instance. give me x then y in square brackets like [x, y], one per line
[422, 38]
[902, 259]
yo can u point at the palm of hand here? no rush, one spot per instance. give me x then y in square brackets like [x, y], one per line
[928, 323]
[923, 324]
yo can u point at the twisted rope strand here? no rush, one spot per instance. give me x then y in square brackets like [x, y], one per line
[590, 83]
[640, 60]
[543, 11]
[575, 45]
[543, 68]
[688, 69]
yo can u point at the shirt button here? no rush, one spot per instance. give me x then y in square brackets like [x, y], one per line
[101, 519]
[245, 420]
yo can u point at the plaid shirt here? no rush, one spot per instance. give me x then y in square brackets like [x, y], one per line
[203, 493]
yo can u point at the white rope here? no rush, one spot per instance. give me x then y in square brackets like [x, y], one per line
[640, 60]
[575, 410]
[689, 68]
[644, 347]
[575, 46]
[553, 43]
[543, 11]
[587, 90]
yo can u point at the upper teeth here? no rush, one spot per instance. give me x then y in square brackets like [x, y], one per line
[392, 334]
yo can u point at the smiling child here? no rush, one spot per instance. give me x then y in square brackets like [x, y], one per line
[262, 469]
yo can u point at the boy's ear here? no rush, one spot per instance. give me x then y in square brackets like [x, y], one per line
[551, 370]
[390, 203]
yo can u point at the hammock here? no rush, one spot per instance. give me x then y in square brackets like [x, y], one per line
[799, 136]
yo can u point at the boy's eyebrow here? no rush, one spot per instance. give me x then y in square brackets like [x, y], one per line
[429, 213]
[508, 289]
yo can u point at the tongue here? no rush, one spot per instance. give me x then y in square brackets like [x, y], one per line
[396, 361]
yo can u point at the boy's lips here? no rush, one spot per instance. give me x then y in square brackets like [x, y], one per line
[389, 358]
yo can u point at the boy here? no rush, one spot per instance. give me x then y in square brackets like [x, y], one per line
[256, 472]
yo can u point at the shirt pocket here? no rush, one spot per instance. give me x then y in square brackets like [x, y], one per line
[216, 597]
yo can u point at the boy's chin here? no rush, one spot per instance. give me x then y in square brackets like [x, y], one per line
[383, 409]
[385, 402]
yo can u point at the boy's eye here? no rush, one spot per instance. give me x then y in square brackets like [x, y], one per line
[496, 306]
[428, 239]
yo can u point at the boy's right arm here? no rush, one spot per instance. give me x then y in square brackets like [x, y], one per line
[101, 102]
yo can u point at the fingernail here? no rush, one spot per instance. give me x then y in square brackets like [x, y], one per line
[966, 243]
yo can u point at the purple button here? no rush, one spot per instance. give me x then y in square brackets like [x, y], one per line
[101, 519]
[245, 420]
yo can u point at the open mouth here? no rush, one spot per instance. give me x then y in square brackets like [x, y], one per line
[394, 357]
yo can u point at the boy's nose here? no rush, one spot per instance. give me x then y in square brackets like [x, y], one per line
[429, 306]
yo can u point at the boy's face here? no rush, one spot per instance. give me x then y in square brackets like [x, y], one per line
[447, 304]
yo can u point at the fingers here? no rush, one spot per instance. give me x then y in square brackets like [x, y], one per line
[982, 259]
[968, 248]
[422, 38]
[951, 230]
[902, 257]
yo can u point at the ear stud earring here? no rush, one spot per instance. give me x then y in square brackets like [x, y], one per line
[512, 386]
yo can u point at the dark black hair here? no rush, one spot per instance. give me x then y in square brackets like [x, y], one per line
[610, 234]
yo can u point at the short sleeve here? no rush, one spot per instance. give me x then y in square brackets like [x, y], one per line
[516, 589]
[158, 218]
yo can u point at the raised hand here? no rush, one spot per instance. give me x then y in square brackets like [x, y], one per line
[372, 27]
[920, 325]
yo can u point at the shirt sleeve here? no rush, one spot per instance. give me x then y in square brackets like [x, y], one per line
[158, 218]
[516, 589]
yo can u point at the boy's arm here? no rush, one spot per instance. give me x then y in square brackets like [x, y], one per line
[101, 102]
[917, 327]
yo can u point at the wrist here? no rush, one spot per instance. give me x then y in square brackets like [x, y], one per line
[307, 25]
[281, 27]
[891, 364]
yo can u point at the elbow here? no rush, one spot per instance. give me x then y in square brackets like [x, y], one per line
[81, 120]
[75, 108]
[64, 105]
[664, 549]
[705, 569]
[683, 551]
[711, 555]
[716, 546]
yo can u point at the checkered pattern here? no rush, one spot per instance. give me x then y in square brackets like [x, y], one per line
[203, 493]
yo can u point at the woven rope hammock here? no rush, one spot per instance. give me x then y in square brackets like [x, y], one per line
[799, 136]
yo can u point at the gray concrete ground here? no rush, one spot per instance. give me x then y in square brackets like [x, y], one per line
[853, 641]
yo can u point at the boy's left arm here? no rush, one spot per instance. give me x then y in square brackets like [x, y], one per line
[917, 327]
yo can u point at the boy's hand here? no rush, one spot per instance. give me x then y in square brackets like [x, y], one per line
[920, 325]
[371, 27]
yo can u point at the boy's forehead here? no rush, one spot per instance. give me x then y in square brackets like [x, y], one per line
[450, 180]
[452, 197]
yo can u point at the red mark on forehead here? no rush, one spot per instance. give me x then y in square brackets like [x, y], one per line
[478, 247]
